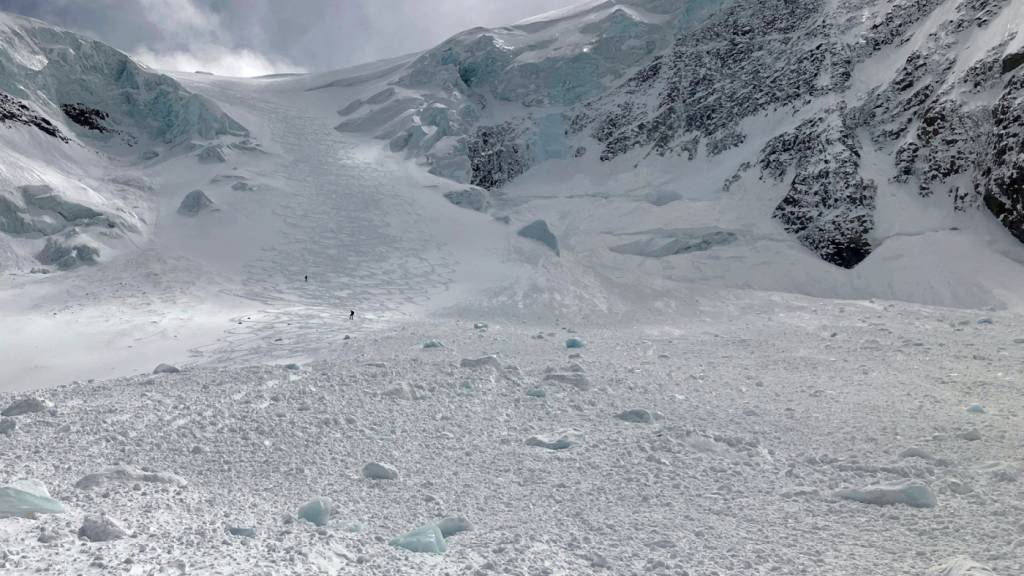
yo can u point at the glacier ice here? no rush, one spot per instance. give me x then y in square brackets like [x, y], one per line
[538, 230]
[195, 202]
[25, 498]
[427, 540]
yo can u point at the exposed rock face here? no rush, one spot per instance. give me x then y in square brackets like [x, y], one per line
[829, 207]
[68, 252]
[86, 117]
[14, 111]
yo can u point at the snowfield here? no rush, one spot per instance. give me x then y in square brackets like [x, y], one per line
[725, 446]
[583, 365]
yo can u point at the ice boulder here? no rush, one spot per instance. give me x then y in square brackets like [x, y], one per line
[575, 343]
[538, 230]
[166, 369]
[636, 416]
[7, 426]
[26, 405]
[25, 498]
[453, 525]
[484, 362]
[432, 345]
[378, 471]
[561, 441]
[426, 540]
[213, 154]
[242, 532]
[960, 566]
[577, 380]
[471, 198]
[317, 511]
[101, 528]
[913, 494]
[195, 202]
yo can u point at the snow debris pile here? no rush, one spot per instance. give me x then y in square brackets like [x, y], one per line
[25, 498]
[26, 405]
[913, 494]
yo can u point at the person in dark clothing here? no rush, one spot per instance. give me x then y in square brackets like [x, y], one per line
[307, 277]
[351, 314]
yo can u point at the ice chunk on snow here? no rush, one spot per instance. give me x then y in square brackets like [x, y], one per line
[574, 343]
[101, 528]
[976, 409]
[427, 540]
[913, 494]
[577, 380]
[562, 441]
[7, 426]
[27, 497]
[432, 345]
[471, 198]
[127, 474]
[960, 566]
[378, 471]
[538, 230]
[485, 361]
[195, 202]
[636, 416]
[166, 369]
[242, 532]
[454, 525]
[26, 405]
[317, 511]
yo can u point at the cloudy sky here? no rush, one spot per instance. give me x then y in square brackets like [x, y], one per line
[253, 37]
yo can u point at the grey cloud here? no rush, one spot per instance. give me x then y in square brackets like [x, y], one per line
[248, 37]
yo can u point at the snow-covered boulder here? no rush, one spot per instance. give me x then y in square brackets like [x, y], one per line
[212, 154]
[194, 203]
[26, 405]
[25, 498]
[913, 494]
[101, 528]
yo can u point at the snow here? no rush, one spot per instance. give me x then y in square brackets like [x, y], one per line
[731, 384]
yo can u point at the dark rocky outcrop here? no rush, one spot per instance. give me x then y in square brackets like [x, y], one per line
[14, 111]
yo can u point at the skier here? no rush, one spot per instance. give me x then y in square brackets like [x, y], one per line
[351, 314]
[307, 277]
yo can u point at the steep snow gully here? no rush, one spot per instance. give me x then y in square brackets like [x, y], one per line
[641, 287]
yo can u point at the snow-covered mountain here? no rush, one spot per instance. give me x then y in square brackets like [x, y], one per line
[796, 99]
[71, 110]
